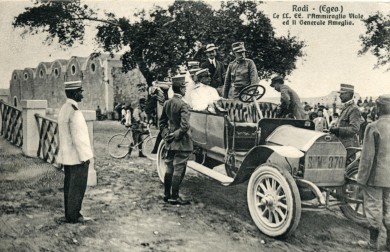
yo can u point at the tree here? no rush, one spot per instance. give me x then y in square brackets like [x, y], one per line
[164, 38]
[377, 38]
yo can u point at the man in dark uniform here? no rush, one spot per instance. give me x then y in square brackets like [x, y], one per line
[290, 104]
[175, 129]
[348, 125]
[216, 68]
[118, 109]
[138, 123]
[374, 172]
[240, 73]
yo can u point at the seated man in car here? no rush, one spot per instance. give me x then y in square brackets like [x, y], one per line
[202, 95]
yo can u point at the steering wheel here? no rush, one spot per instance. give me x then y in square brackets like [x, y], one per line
[251, 93]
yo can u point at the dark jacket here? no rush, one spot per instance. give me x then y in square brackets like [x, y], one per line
[291, 104]
[374, 169]
[217, 73]
[349, 125]
[240, 74]
[174, 120]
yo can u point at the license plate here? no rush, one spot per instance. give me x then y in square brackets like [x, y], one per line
[325, 162]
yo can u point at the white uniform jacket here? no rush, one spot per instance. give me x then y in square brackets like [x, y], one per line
[75, 145]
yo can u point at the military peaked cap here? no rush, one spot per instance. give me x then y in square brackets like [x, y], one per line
[72, 85]
[202, 72]
[344, 88]
[179, 80]
[238, 47]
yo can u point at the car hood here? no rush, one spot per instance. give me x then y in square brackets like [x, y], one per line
[287, 135]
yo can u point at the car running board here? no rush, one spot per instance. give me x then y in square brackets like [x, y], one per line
[225, 180]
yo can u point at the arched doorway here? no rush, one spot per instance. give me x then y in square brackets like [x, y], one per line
[15, 101]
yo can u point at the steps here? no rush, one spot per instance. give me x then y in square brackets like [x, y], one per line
[225, 180]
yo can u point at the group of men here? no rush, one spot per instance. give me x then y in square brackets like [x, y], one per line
[374, 172]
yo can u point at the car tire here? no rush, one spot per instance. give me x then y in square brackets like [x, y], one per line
[273, 200]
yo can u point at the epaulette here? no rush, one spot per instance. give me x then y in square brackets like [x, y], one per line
[74, 107]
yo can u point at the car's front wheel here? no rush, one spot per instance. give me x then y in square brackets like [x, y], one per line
[273, 200]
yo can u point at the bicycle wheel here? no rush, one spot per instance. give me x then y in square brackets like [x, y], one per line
[118, 146]
[148, 145]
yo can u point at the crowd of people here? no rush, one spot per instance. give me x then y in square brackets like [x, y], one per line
[324, 118]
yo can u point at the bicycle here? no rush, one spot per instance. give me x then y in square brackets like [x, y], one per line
[120, 145]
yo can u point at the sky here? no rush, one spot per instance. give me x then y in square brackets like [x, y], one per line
[331, 50]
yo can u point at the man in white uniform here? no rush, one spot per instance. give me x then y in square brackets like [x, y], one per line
[203, 95]
[74, 151]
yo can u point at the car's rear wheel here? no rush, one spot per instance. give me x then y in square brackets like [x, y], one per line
[273, 200]
[352, 199]
[161, 166]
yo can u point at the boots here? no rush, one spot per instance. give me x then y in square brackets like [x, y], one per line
[179, 201]
[167, 187]
[176, 200]
[374, 234]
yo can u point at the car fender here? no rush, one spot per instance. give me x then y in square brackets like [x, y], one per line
[259, 155]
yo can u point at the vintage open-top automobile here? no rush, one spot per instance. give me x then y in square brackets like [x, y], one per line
[285, 161]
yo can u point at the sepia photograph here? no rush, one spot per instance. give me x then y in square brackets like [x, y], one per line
[204, 125]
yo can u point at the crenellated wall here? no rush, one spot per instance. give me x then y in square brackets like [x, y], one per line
[15, 88]
[56, 91]
[93, 80]
[102, 78]
[41, 84]
[27, 84]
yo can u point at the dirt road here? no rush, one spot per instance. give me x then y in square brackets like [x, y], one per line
[129, 214]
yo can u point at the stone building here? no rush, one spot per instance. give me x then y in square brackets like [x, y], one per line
[15, 91]
[102, 79]
[41, 84]
[55, 93]
[27, 84]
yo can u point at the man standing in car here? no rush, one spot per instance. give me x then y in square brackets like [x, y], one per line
[216, 68]
[175, 129]
[240, 73]
[348, 125]
[374, 172]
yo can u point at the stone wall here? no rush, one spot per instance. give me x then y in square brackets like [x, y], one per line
[56, 91]
[15, 89]
[41, 85]
[126, 86]
[102, 78]
[4, 95]
[27, 83]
